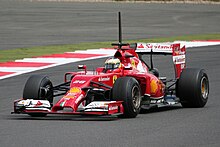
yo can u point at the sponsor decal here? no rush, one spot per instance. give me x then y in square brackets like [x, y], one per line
[69, 96]
[22, 102]
[163, 46]
[140, 67]
[38, 104]
[42, 104]
[97, 105]
[75, 90]
[62, 103]
[133, 63]
[114, 78]
[162, 86]
[113, 108]
[102, 79]
[154, 46]
[157, 101]
[179, 59]
[79, 98]
[153, 86]
[33, 103]
[140, 46]
[183, 66]
[178, 51]
[79, 82]
[66, 99]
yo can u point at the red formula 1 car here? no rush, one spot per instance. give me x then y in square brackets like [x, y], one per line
[122, 87]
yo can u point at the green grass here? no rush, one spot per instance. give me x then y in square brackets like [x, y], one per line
[20, 53]
[169, 0]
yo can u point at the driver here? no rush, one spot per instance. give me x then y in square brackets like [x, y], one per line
[112, 63]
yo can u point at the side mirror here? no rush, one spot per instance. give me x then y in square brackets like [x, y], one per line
[99, 70]
[83, 67]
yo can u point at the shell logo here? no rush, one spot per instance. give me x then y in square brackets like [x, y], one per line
[153, 86]
[75, 90]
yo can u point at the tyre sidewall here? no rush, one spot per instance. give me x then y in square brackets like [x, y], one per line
[122, 91]
[189, 88]
[32, 88]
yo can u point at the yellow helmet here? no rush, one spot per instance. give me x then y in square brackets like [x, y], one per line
[112, 63]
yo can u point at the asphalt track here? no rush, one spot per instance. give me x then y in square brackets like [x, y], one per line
[166, 127]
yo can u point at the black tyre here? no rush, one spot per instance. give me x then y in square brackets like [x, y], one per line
[38, 87]
[127, 89]
[193, 88]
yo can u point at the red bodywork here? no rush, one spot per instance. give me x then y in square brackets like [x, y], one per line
[131, 65]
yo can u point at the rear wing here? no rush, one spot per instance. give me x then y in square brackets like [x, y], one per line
[178, 53]
[155, 48]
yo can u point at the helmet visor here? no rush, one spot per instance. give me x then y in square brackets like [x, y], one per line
[112, 65]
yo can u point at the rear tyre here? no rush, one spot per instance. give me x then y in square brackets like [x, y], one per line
[38, 87]
[193, 88]
[127, 89]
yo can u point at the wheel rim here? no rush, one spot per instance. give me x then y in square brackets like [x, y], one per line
[136, 98]
[204, 87]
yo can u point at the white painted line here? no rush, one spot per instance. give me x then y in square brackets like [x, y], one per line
[49, 60]
[197, 43]
[97, 51]
[16, 69]
[49, 66]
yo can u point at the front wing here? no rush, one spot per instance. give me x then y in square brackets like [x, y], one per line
[31, 106]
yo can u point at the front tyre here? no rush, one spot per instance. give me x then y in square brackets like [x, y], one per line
[38, 87]
[127, 89]
[193, 88]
